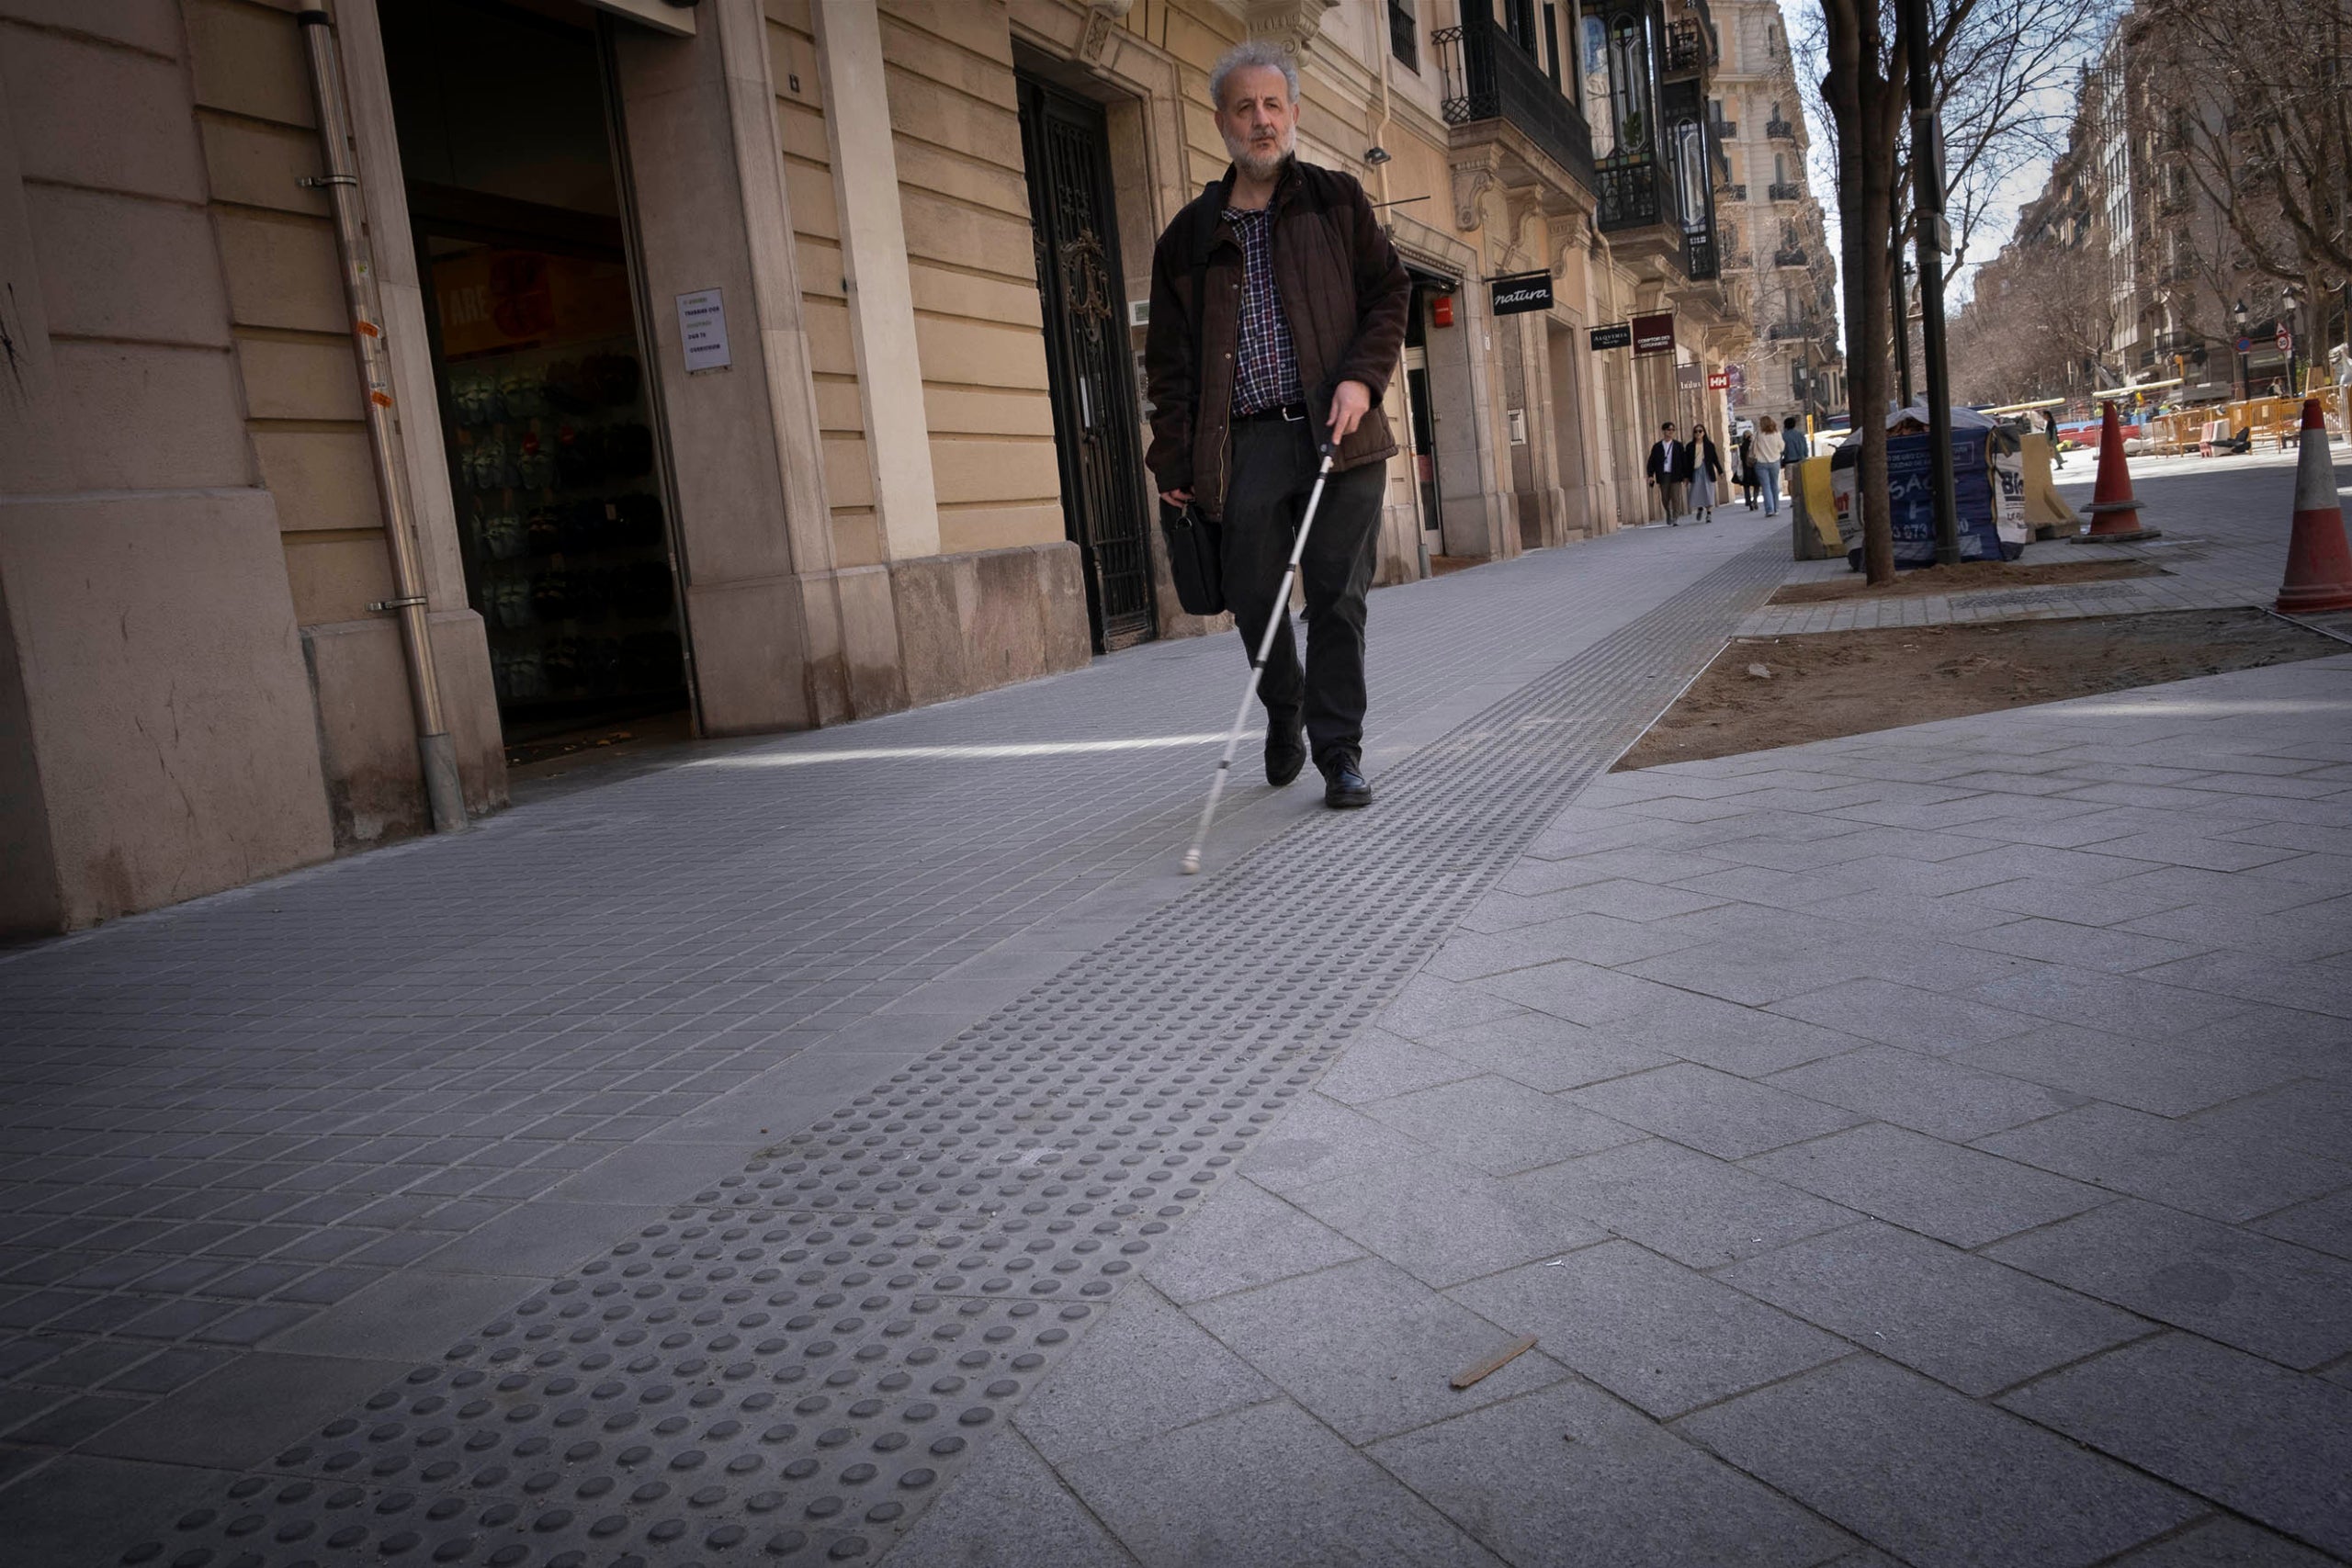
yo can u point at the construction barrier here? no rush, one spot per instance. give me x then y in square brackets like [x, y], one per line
[2046, 512]
[1814, 526]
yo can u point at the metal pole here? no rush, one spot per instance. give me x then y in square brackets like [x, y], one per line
[1901, 293]
[443, 792]
[1927, 236]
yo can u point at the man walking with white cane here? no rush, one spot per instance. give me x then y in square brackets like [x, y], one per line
[1278, 311]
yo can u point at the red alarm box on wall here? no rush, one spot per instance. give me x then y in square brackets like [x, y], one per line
[1441, 310]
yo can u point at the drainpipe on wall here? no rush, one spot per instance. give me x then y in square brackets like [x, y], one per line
[438, 756]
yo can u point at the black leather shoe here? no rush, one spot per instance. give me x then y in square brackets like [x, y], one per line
[1285, 751]
[1345, 787]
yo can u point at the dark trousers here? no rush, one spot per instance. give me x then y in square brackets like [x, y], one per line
[1272, 472]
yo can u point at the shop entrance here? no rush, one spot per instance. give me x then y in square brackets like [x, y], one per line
[1096, 424]
[538, 357]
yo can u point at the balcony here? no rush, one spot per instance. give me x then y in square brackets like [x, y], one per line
[2179, 343]
[1785, 191]
[1628, 188]
[1735, 192]
[1791, 255]
[1726, 129]
[1733, 259]
[1780, 332]
[1685, 49]
[1490, 79]
[1780, 129]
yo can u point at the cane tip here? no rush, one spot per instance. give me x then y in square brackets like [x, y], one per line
[1191, 863]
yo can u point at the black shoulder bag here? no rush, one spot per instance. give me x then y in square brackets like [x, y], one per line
[1194, 544]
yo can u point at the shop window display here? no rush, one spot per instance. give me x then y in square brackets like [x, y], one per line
[552, 461]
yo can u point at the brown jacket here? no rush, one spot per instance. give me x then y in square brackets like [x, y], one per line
[1344, 295]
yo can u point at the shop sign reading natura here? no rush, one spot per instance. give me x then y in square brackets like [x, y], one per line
[1522, 291]
[702, 326]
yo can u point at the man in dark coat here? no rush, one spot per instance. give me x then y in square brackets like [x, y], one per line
[1299, 325]
[1670, 469]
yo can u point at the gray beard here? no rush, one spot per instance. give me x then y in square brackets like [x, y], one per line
[1257, 165]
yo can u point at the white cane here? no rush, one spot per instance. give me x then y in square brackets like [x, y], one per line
[1258, 666]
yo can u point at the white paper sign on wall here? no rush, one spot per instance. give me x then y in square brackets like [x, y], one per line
[702, 325]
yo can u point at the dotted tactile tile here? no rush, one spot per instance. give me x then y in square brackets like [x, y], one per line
[790, 1365]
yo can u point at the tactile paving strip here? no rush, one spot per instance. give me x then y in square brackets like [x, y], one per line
[788, 1366]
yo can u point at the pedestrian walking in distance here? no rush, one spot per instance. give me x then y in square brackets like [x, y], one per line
[1669, 471]
[1706, 474]
[1748, 466]
[1278, 309]
[1767, 464]
[1795, 446]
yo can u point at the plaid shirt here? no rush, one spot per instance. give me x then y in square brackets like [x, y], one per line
[1265, 368]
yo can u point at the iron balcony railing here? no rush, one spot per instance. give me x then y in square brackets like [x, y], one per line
[1781, 331]
[1488, 76]
[1780, 129]
[1727, 129]
[1734, 259]
[1793, 255]
[1700, 258]
[1686, 48]
[1735, 192]
[1788, 190]
[1627, 185]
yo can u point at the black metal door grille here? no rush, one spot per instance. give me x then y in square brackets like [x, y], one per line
[1087, 366]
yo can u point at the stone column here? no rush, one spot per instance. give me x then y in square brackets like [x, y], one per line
[781, 639]
[874, 265]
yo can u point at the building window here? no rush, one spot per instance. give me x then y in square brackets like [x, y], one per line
[1405, 35]
[1518, 22]
[1552, 42]
[1592, 72]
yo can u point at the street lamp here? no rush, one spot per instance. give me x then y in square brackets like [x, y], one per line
[2237, 317]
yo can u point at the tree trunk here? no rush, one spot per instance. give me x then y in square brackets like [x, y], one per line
[1861, 91]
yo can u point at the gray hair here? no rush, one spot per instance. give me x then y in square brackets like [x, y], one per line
[1250, 54]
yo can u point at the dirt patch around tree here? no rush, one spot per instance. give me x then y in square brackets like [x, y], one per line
[1966, 578]
[1830, 683]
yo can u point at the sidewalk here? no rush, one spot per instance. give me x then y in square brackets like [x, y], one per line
[1924, 1147]
[859, 1147]
[271, 1152]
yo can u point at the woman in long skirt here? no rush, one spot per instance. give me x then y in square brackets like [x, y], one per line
[1706, 474]
[1747, 468]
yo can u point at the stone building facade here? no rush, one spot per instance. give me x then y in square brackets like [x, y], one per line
[770, 361]
[1773, 232]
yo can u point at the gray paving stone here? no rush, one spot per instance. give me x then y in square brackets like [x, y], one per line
[2128, 1004]
[1566, 1477]
[413, 1316]
[1378, 1064]
[1543, 1051]
[1927, 1095]
[1649, 1330]
[1954, 1194]
[1754, 973]
[1146, 1369]
[1498, 1127]
[1368, 1348]
[1444, 1226]
[1010, 1507]
[1595, 939]
[1724, 1036]
[1580, 992]
[2166, 1076]
[1320, 1139]
[2268, 1443]
[2266, 1296]
[47, 1518]
[1428, 1005]
[2324, 1225]
[1713, 1112]
[2223, 1542]
[545, 1240]
[2222, 1173]
[2100, 904]
[1246, 1235]
[242, 1413]
[1200, 1497]
[1960, 1318]
[1691, 1207]
[1931, 1476]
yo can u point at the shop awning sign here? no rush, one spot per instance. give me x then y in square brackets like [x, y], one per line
[1688, 377]
[1654, 335]
[1520, 292]
[1719, 380]
[1617, 334]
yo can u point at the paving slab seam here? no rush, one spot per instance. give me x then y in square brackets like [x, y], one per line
[886, 1285]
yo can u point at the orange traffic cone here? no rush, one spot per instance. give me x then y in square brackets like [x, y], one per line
[2115, 515]
[2318, 563]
